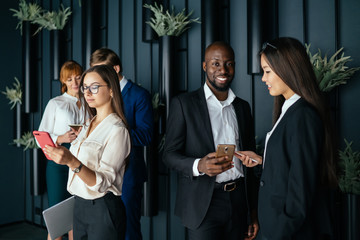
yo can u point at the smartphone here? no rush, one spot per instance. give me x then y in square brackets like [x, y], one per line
[75, 126]
[43, 139]
[225, 150]
[240, 154]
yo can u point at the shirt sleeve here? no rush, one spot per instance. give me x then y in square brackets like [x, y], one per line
[111, 164]
[196, 172]
[48, 120]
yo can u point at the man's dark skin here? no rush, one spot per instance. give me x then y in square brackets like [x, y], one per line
[219, 66]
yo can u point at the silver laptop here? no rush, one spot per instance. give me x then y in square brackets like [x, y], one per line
[59, 218]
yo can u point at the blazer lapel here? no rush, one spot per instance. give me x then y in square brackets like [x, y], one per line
[126, 87]
[201, 107]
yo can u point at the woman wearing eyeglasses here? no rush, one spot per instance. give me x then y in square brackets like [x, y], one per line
[299, 159]
[59, 113]
[97, 158]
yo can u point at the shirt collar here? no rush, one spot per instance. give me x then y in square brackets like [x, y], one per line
[70, 97]
[209, 94]
[123, 82]
[289, 102]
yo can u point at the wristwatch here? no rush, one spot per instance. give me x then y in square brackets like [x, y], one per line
[77, 170]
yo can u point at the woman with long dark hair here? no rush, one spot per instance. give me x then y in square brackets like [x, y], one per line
[299, 156]
[97, 158]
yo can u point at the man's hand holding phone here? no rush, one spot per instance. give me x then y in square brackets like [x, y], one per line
[248, 158]
[212, 165]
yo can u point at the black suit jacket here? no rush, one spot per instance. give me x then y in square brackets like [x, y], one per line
[291, 203]
[188, 137]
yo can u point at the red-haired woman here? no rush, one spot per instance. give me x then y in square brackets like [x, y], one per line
[59, 113]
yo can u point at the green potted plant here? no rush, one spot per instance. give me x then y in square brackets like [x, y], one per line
[349, 166]
[27, 12]
[349, 185]
[333, 71]
[27, 140]
[169, 24]
[14, 94]
[53, 20]
[33, 13]
[15, 99]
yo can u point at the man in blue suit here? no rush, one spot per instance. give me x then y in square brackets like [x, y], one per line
[138, 113]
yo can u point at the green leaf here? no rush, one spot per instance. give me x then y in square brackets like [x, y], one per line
[26, 12]
[331, 72]
[349, 170]
[53, 20]
[14, 94]
[166, 23]
[27, 140]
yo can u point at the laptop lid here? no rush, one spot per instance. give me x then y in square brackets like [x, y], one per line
[59, 218]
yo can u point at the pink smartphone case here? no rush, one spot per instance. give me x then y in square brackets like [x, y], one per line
[43, 139]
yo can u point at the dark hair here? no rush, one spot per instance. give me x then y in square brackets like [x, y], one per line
[287, 57]
[68, 69]
[105, 56]
[109, 75]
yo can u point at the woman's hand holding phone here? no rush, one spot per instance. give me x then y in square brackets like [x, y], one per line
[248, 158]
[67, 137]
[43, 139]
[59, 154]
[76, 128]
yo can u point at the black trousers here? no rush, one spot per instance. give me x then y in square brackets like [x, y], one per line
[226, 217]
[102, 218]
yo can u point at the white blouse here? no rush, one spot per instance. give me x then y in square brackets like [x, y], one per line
[103, 151]
[59, 113]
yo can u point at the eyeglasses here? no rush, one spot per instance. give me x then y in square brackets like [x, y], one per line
[266, 44]
[94, 89]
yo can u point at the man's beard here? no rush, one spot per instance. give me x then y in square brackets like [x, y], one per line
[220, 89]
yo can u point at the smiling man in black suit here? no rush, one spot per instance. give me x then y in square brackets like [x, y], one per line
[215, 195]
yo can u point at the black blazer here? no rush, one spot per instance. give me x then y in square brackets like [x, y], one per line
[290, 200]
[189, 136]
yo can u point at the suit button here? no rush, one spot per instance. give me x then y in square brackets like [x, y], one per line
[262, 183]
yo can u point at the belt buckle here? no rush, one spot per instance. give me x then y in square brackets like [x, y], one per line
[228, 187]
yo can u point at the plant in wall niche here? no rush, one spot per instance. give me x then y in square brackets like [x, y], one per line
[330, 72]
[27, 140]
[165, 23]
[26, 12]
[53, 20]
[14, 94]
[349, 166]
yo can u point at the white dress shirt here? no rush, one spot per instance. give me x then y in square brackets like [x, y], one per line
[225, 130]
[59, 113]
[103, 151]
[287, 104]
[123, 82]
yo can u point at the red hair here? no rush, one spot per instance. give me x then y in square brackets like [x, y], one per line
[68, 69]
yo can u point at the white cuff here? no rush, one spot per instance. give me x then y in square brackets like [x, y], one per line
[195, 168]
